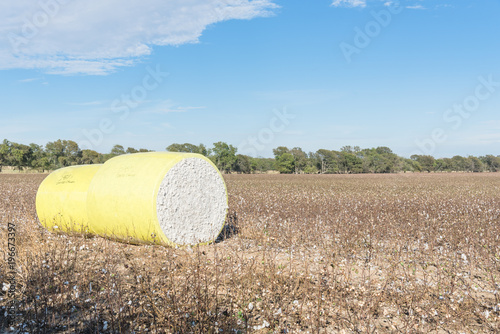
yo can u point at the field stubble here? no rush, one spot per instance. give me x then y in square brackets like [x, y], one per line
[300, 253]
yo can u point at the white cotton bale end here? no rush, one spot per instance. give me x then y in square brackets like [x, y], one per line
[191, 204]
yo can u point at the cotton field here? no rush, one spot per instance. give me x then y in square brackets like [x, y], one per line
[395, 253]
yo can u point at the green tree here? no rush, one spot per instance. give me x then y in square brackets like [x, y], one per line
[439, 165]
[379, 160]
[280, 150]
[262, 165]
[5, 154]
[131, 150]
[90, 157]
[63, 152]
[310, 168]
[243, 164]
[39, 157]
[117, 150]
[285, 163]
[224, 156]
[426, 162]
[443, 165]
[45, 164]
[475, 165]
[203, 150]
[350, 163]
[188, 148]
[347, 149]
[21, 155]
[311, 163]
[300, 159]
[459, 164]
[491, 163]
[384, 150]
[327, 161]
[409, 165]
[284, 159]
[54, 151]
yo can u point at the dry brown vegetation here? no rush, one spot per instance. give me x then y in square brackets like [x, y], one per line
[319, 254]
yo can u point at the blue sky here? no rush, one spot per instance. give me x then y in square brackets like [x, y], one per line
[418, 76]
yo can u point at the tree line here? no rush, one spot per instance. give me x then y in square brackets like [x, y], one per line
[347, 160]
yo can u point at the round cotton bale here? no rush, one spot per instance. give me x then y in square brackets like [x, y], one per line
[61, 200]
[164, 198]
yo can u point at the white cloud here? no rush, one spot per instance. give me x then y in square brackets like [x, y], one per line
[86, 104]
[416, 7]
[168, 106]
[445, 6]
[28, 80]
[180, 109]
[349, 3]
[97, 37]
[391, 3]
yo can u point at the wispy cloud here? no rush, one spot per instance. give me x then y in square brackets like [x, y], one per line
[86, 104]
[169, 106]
[28, 80]
[97, 37]
[349, 3]
[179, 109]
[416, 7]
[301, 96]
[409, 4]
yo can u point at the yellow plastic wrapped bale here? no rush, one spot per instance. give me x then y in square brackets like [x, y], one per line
[61, 200]
[163, 198]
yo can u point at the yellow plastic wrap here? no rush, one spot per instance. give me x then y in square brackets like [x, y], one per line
[119, 199]
[61, 200]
